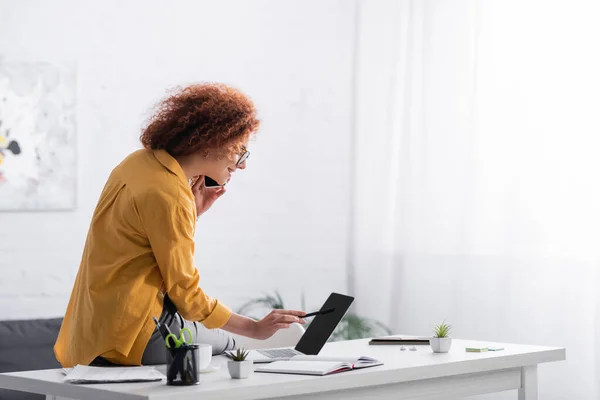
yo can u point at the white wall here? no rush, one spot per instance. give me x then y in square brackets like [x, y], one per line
[282, 224]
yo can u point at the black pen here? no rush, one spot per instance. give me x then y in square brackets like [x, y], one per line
[322, 312]
[164, 331]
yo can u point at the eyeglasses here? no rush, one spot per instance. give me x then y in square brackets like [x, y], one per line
[243, 156]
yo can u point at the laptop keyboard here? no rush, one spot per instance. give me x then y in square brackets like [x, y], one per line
[279, 353]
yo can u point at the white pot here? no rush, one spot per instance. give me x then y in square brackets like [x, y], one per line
[440, 345]
[239, 369]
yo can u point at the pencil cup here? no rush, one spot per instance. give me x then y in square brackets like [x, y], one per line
[182, 365]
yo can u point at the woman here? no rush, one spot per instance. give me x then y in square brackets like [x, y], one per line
[138, 260]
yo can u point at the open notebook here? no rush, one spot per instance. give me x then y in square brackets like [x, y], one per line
[318, 365]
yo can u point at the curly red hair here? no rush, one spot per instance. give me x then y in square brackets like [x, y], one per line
[201, 117]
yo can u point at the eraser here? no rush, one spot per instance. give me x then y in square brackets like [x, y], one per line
[476, 349]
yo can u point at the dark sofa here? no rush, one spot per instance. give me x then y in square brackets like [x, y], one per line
[27, 345]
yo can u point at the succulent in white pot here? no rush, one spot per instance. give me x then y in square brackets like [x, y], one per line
[441, 342]
[239, 367]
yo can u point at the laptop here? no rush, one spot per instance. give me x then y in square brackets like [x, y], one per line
[315, 336]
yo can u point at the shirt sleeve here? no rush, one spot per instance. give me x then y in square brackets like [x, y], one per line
[170, 229]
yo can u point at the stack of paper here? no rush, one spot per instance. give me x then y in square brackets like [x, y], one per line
[85, 374]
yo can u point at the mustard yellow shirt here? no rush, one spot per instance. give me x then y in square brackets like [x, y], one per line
[140, 243]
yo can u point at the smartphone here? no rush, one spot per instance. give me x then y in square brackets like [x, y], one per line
[210, 182]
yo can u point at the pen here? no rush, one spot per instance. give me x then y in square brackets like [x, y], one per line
[164, 331]
[322, 312]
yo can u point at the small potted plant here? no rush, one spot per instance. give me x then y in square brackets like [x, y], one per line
[441, 342]
[239, 367]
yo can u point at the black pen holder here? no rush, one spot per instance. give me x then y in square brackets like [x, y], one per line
[183, 366]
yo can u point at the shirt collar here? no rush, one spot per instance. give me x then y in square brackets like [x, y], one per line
[170, 163]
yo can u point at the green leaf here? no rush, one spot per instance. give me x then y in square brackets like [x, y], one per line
[442, 330]
[240, 355]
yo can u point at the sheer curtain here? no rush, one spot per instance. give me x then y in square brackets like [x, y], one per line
[476, 180]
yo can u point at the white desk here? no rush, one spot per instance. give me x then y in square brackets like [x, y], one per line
[406, 374]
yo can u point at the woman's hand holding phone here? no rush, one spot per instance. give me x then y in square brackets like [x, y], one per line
[205, 196]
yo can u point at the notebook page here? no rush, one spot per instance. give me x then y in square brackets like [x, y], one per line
[304, 367]
[350, 360]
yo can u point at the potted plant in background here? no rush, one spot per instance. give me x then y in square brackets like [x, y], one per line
[441, 342]
[239, 367]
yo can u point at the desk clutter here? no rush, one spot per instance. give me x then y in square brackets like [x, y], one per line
[184, 367]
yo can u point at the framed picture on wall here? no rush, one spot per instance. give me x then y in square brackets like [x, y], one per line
[37, 136]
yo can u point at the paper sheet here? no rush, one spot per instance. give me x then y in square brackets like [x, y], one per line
[85, 374]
